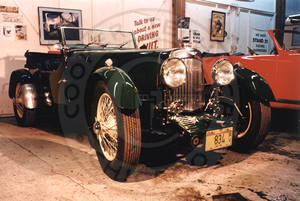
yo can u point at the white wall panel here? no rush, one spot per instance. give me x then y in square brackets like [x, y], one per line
[261, 5]
[116, 14]
[107, 14]
[242, 39]
[241, 18]
[200, 19]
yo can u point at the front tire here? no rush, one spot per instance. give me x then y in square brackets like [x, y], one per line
[24, 116]
[118, 134]
[252, 126]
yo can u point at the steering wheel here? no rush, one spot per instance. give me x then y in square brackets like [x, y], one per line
[251, 51]
[273, 50]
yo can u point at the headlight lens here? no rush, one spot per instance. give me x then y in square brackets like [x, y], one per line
[222, 72]
[58, 46]
[173, 72]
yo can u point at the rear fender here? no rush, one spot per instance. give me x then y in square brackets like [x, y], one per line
[23, 76]
[120, 86]
[29, 96]
[253, 84]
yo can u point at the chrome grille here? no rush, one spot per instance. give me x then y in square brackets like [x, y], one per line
[191, 93]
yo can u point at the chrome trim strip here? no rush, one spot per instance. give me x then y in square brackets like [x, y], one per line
[287, 101]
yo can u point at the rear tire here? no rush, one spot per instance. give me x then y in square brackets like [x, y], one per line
[24, 116]
[253, 126]
[117, 133]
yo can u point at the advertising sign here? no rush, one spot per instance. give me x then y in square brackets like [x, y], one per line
[260, 41]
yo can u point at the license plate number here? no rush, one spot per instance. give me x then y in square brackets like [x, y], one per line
[220, 138]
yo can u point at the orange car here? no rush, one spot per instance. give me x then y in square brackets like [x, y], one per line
[281, 68]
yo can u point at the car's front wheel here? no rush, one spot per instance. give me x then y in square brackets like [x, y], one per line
[118, 134]
[252, 126]
[24, 115]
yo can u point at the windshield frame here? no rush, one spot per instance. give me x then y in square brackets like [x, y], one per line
[65, 43]
[278, 46]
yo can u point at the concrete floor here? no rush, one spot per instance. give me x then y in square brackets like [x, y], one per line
[39, 163]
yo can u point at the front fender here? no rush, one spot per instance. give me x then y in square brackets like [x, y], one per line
[121, 87]
[254, 84]
[23, 76]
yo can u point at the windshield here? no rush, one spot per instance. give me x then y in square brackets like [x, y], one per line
[97, 38]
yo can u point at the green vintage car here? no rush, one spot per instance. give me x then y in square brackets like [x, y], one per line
[126, 98]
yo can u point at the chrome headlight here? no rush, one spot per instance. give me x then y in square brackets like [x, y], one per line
[173, 72]
[222, 72]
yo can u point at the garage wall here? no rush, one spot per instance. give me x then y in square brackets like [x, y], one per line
[244, 20]
[107, 14]
[131, 15]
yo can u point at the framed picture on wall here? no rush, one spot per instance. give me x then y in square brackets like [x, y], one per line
[217, 26]
[50, 19]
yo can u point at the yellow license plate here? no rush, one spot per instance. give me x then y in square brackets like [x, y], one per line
[220, 138]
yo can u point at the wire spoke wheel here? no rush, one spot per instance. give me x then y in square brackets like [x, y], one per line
[115, 134]
[246, 119]
[19, 101]
[108, 135]
[253, 126]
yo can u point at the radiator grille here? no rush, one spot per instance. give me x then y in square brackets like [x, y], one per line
[191, 93]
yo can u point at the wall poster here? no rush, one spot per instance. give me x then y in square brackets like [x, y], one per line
[7, 32]
[260, 41]
[12, 18]
[9, 9]
[217, 27]
[147, 30]
[50, 19]
[184, 22]
[21, 32]
[196, 38]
